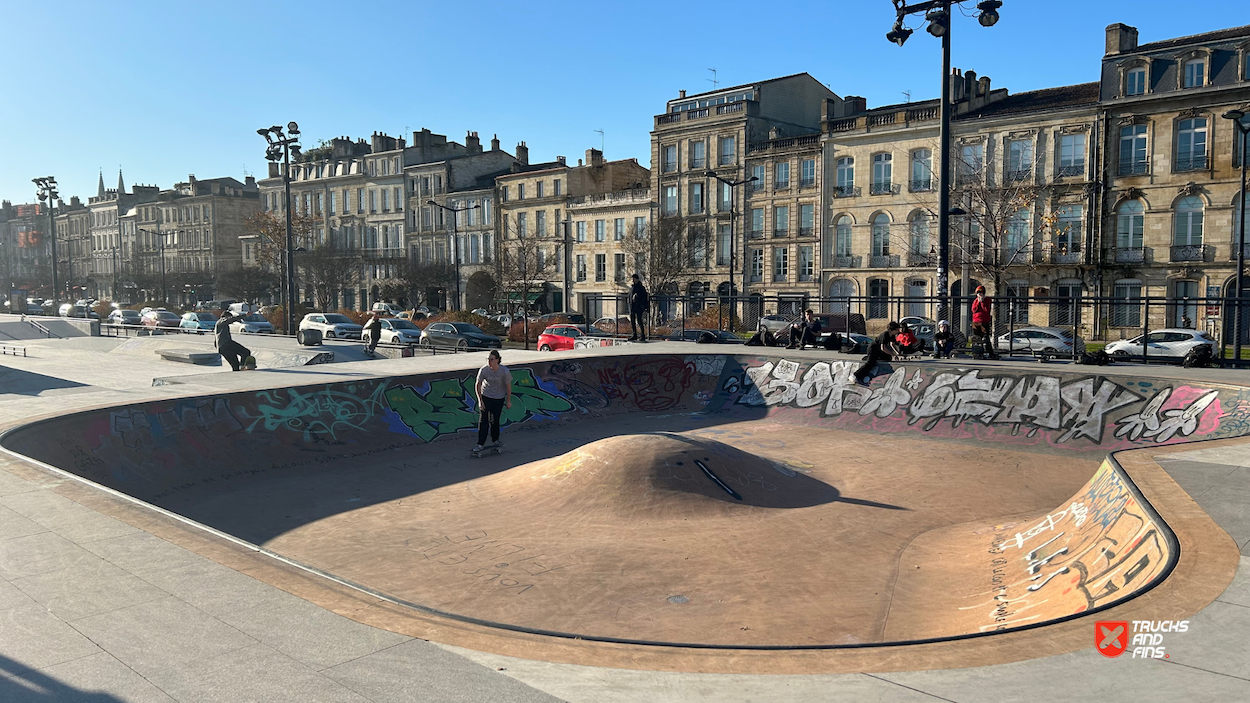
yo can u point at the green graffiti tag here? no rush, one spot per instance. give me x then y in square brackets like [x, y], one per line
[446, 409]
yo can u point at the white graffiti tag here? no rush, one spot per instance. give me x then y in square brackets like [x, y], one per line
[1149, 423]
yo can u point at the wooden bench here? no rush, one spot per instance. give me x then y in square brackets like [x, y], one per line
[186, 356]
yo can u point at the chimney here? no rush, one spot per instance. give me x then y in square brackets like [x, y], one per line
[249, 182]
[983, 86]
[192, 183]
[472, 143]
[854, 104]
[273, 170]
[494, 143]
[970, 84]
[681, 93]
[957, 86]
[594, 157]
[1120, 38]
[579, 163]
[560, 160]
[523, 153]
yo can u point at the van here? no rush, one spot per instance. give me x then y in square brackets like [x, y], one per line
[387, 309]
[242, 308]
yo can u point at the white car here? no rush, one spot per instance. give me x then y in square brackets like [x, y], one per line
[1056, 340]
[333, 325]
[397, 331]
[1172, 342]
[387, 309]
[252, 324]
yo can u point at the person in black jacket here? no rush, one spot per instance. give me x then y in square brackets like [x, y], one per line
[372, 332]
[639, 302]
[884, 348]
[230, 350]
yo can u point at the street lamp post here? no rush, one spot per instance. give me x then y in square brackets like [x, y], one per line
[160, 236]
[455, 241]
[938, 14]
[46, 187]
[733, 215]
[1241, 122]
[281, 147]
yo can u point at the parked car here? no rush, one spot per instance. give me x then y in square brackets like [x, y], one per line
[333, 325]
[692, 335]
[428, 311]
[77, 310]
[397, 331]
[461, 335]
[160, 318]
[198, 322]
[481, 311]
[575, 318]
[613, 325]
[559, 338]
[252, 324]
[387, 309]
[124, 317]
[1056, 340]
[1171, 342]
[776, 323]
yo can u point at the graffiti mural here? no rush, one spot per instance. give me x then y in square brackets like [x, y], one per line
[649, 385]
[1067, 410]
[316, 414]
[448, 405]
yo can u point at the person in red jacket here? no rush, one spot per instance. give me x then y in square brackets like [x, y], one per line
[983, 321]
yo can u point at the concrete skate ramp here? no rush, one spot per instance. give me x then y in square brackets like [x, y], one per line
[709, 501]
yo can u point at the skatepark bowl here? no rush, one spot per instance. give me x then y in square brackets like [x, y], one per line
[699, 512]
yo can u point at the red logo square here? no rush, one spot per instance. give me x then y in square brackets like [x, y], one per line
[1111, 637]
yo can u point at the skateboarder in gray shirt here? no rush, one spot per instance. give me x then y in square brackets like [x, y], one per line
[494, 393]
[233, 352]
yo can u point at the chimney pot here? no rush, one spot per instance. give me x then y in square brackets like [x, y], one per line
[681, 93]
[1121, 38]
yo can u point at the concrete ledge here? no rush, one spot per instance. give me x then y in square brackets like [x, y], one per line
[187, 356]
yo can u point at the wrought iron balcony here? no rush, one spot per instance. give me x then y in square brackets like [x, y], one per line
[806, 231]
[755, 233]
[781, 233]
[1135, 168]
[1063, 257]
[1019, 175]
[1191, 162]
[845, 192]
[921, 185]
[884, 261]
[1135, 255]
[885, 189]
[807, 182]
[847, 261]
[921, 259]
[1071, 170]
[1189, 252]
[782, 185]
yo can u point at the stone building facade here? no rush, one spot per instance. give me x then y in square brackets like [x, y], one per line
[106, 210]
[73, 223]
[25, 250]
[606, 232]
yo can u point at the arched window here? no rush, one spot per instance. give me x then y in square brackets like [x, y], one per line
[842, 230]
[1188, 222]
[881, 235]
[919, 235]
[882, 173]
[878, 299]
[1130, 223]
[922, 170]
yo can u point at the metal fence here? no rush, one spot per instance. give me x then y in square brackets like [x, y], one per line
[1094, 320]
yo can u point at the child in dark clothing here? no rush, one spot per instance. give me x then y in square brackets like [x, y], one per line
[883, 348]
[943, 341]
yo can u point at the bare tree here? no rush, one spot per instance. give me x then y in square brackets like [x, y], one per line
[247, 283]
[526, 263]
[269, 228]
[328, 269]
[419, 278]
[660, 253]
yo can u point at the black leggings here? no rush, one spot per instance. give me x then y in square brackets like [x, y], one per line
[491, 409]
[234, 353]
[874, 355]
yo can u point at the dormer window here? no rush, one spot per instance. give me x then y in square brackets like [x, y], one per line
[1195, 73]
[1135, 81]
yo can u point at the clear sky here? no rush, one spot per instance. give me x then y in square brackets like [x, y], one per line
[166, 89]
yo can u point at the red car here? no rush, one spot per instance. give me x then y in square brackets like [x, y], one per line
[558, 338]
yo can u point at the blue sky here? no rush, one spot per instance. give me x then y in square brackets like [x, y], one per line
[167, 89]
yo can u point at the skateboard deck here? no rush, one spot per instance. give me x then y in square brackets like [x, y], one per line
[485, 450]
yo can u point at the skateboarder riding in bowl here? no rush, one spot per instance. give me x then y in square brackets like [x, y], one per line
[494, 393]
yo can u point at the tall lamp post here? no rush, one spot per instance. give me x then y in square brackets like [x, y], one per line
[938, 14]
[282, 146]
[160, 236]
[1241, 122]
[733, 215]
[455, 241]
[47, 193]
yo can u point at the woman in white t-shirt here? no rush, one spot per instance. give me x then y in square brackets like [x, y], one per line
[494, 393]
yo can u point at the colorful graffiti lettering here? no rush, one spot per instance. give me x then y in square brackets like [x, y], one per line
[1070, 409]
[316, 414]
[447, 406]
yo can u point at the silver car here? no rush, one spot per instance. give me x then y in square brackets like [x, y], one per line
[1050, 340]
[1172, 342]
[776, 323]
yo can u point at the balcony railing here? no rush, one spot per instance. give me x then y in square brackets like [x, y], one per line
[807, 182]
[698, 162]
[921, 258]
[669, 118]
[1195, 162]
[668, 167]
[781, 233]
[1071, 170]
[1019, 174]
[781, 185]
[883, 261]
[1134, 168]
[696, 114]
[1064, 257]
[779, 277]
[1189, 252]
[1130, 256]
[845, 192]
[755, 233]
[847, 261]
[846, 125]
[920, 186]
[885, 189]
[806, 231]
[729, 108]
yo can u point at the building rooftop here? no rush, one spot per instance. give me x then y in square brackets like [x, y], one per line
[1217, 35]
[1044, 99]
